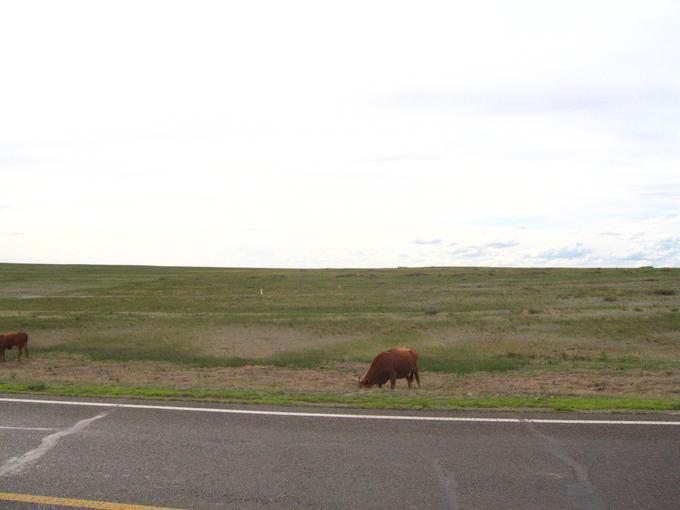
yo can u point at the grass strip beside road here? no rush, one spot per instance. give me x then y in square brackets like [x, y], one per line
[368, 400]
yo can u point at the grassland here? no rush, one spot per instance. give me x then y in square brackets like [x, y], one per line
[605, 338]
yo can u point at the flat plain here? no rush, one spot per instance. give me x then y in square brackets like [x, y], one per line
[487, 337]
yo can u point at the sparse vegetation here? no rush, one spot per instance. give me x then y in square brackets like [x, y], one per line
[462, 321]
[664, 292]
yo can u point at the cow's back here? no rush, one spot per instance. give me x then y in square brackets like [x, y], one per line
[403, 360]
[14, 338]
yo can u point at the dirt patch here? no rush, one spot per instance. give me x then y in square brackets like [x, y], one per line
[451, 336]
[50, 338]
[14, 313]
[339, 378]
[220, 342]
[257, 342]
[167, 375]
[576, 382]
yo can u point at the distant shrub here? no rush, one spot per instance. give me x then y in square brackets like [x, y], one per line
[664, 292]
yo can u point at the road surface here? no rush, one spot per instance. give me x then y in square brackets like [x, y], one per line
[204, 456]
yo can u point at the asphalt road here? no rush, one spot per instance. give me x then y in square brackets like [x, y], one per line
[198, 459]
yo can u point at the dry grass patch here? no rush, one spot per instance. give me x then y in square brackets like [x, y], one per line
[339, 379]
[258, 341]
[50, 338]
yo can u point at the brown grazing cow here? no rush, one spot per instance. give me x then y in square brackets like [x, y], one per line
[390, 366]
[9, 340]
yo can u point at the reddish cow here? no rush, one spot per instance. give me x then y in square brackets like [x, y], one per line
[390, 366]
[9, 340]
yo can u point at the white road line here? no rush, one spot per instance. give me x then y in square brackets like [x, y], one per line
[3, 427]
[341, 415]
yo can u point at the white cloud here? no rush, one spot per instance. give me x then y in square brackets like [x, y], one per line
[297, 134]
[433, 242]
[500, 245]
[573, 255]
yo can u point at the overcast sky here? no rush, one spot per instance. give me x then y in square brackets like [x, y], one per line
[346, 134]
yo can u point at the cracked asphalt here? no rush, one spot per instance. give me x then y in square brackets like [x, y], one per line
[202, 460]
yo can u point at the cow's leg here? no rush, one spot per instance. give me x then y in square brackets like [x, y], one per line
[2, 354]
[393, 382]
[415, 372]
[409, 379]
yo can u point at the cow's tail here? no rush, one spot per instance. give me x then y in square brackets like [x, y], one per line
[415, 369]
[24, 345]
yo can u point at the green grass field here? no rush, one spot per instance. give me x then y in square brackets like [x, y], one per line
[463, 321]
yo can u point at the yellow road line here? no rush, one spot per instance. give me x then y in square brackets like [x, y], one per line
[78, 503]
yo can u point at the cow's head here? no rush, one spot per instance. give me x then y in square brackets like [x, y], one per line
[363, 383]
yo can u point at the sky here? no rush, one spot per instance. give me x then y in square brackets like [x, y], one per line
[345, 134]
